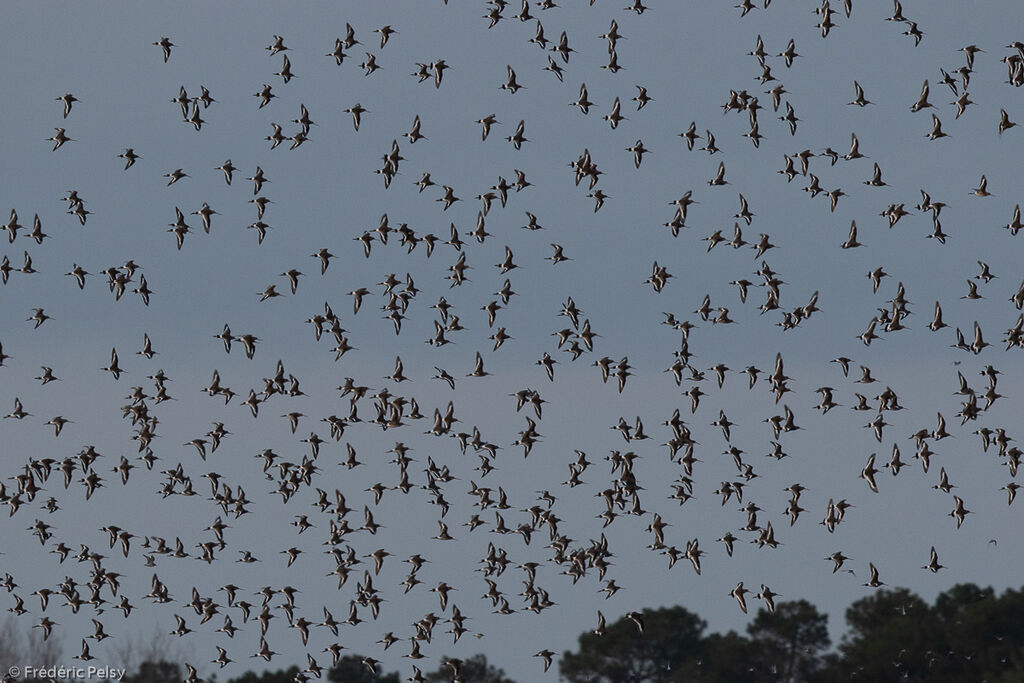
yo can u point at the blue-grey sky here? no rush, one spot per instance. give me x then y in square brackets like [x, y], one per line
[325, 195]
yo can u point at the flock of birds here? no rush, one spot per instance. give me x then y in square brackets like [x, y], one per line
[529, 537]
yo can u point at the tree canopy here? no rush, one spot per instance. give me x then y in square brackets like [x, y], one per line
[968, 633]
[475, 669]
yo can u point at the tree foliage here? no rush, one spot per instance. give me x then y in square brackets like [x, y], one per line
[279, 676]
[155, 671]
[968, 633]
[351, 669]
[475, 669]
[790, 642]
[671, 638]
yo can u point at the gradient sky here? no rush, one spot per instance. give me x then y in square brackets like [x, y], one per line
[326, 195]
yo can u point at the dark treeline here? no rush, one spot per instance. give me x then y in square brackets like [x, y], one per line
[968, 634]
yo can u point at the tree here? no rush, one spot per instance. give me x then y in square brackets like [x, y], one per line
[279, 676]
[892, 633]
[151, 659]
[790, 641]
[728, 658]
[671, 640]
[961, 598]
[351, 669]
[155, 671]
[28, 645]
[982, 635]
[968, 634]
[472, 670]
